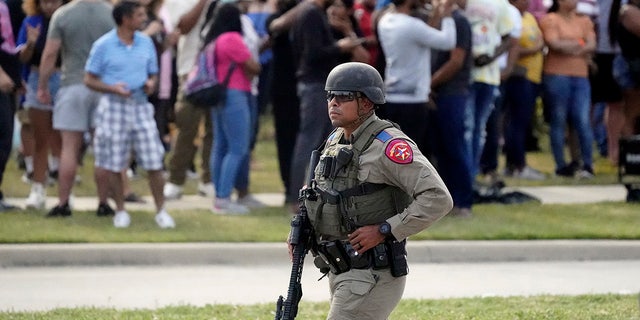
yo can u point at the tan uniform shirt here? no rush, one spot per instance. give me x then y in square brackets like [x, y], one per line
[398, 162]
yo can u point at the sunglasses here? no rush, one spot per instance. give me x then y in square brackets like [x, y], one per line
[342, 96]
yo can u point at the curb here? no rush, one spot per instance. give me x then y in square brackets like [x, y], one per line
[140, 254]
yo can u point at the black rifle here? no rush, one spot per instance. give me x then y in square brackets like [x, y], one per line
[301, 239]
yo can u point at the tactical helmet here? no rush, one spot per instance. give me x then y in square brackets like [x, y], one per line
[357, 76]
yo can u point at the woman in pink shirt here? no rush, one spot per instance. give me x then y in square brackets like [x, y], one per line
[231, 121]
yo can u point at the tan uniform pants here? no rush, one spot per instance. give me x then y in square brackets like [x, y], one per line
[364, 294]
[188, 119]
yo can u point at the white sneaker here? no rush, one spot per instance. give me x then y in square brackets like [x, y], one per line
[37, 197]
[528, 173]
[121, 219]
[226, 206]
[172, 191]
[164, 220]
[250, 201]
[584, 175]
[192, 175]
[206, 189]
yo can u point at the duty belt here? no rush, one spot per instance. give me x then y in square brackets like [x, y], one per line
[339, 256]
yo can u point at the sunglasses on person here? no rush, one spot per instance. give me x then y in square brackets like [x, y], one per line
[342, 96]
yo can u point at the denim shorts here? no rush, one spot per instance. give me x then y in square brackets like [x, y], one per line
[622, 74]
[31, 97]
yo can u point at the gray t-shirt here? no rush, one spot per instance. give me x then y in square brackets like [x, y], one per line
[77, 25]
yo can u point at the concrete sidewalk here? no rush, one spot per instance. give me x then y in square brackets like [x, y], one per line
[253, 254]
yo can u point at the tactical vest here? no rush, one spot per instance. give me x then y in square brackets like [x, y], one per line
[343, 202]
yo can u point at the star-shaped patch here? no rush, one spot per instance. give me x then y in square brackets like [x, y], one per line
[399, 151]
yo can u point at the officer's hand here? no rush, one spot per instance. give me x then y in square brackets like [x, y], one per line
[365, 238]
[290, 248]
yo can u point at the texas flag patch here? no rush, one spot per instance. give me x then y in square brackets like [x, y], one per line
[399, 151]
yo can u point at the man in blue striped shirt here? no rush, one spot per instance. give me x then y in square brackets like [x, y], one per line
[123, 66]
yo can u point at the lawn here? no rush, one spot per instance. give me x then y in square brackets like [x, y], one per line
[584, 307]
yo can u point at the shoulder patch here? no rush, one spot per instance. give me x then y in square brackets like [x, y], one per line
[399, 151]
[383, 136]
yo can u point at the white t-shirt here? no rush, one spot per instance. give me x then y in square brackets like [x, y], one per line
[407, 44]
[490, 20]
[190, 43]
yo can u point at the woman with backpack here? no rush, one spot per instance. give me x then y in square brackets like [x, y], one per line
[231, 120]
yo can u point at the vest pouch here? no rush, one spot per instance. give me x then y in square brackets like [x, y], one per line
[372, 208]
[398, 261]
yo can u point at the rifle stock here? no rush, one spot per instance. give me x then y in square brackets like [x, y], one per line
[300, 239]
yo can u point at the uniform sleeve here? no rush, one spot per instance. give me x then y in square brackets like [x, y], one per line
[418, 178]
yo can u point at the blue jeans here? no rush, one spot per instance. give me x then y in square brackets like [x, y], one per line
[314, 128]
[242, 181]
[569, 100]
[451, 151]
[519, 101]
[232, 129]
[600, 127]
[479, 107]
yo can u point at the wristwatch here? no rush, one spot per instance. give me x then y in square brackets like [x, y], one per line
[384, 228]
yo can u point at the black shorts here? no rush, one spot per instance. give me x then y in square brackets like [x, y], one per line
[604, 87]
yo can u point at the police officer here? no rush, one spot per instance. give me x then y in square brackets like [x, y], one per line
[374, 189]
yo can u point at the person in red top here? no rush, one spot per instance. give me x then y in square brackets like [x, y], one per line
[364, 15]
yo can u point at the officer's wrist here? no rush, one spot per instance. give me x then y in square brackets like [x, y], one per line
[384, 229]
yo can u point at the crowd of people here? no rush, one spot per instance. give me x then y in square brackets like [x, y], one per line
[463, 79]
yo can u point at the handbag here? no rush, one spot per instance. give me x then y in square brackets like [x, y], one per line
[202, 87]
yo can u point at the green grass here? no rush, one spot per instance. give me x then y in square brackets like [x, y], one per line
[609, 220]
[585, 307]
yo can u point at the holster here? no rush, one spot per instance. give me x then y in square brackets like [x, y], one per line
[341, 257]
